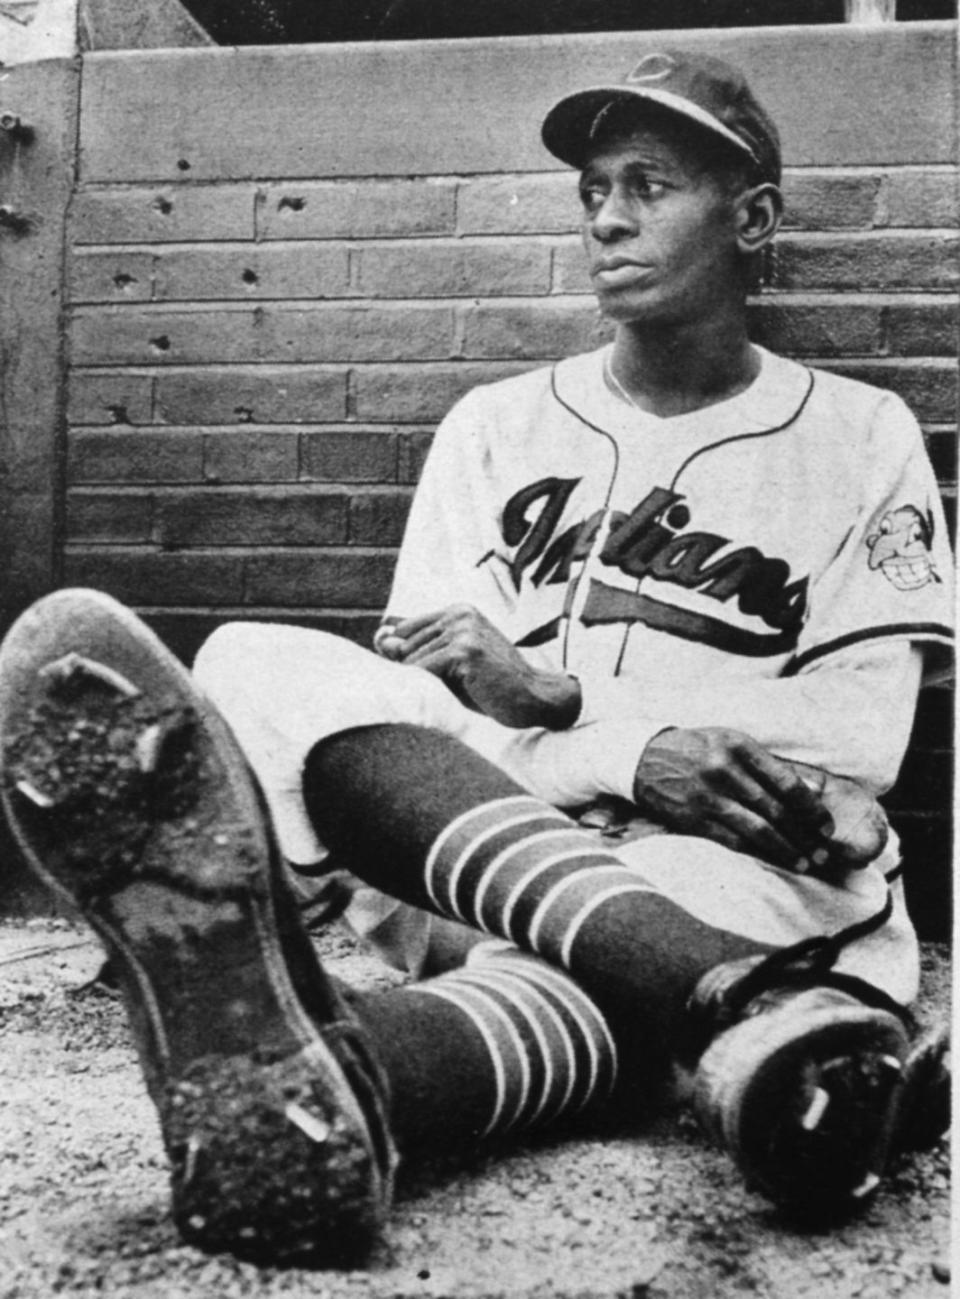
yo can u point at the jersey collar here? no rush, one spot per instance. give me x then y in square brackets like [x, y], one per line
[771, 401]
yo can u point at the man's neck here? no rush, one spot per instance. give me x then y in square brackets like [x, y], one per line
[673, 371]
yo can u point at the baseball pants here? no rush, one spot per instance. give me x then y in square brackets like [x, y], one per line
[284, 689]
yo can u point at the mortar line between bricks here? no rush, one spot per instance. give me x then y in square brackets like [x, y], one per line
[245, 578]
[477, 366]
[461, 320]
[920, 297]
[232, 550]
[153, 275]
[85, 309]
[885, 362]
[154, 532]
[870, 234]
[284, 306]
[415, 426]
[299, 466]
[884, 331]
[137, 369]
[288, 489]
[259, 203]
[474, 238]
[458, 187]
[201, 430]
[246, 610]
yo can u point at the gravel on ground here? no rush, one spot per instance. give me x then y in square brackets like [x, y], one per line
[654, 1212]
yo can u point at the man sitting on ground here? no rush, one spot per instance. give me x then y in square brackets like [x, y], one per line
[680, 588]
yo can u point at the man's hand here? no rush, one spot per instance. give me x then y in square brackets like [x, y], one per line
[722, 785]
[860, 825]
[482, 667]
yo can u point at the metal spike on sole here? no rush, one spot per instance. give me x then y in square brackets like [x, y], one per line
[63, 670]
[190, 1167]
[816, 1109]
[36, 796]
[316, 1129]
[869, 1183]
[148, 747]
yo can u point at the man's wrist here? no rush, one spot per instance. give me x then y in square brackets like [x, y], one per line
[559, 700]
[640, 790]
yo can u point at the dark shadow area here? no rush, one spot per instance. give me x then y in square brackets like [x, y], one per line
[268, 22]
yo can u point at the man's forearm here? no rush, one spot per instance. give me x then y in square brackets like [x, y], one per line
[852, 717]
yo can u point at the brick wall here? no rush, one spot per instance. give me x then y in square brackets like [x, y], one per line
[275, 297]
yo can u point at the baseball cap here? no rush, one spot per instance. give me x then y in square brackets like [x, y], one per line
[702, 89]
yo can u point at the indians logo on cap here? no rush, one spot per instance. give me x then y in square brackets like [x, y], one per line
[653, 67]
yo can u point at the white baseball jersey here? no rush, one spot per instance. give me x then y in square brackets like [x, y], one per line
[765, 564]
[755, 541]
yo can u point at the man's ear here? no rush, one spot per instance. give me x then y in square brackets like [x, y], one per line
[759, 213]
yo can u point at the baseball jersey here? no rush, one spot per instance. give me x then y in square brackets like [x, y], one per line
[756, 539]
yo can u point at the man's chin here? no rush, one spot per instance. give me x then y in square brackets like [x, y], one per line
[624, 310]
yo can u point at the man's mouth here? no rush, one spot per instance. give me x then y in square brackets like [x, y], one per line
[617, 270]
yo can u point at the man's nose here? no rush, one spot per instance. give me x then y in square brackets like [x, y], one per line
[613, 219]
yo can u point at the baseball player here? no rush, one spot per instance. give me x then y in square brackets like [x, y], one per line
[653, 647]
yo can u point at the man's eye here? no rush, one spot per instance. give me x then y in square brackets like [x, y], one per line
[646, 187]
[591, 196]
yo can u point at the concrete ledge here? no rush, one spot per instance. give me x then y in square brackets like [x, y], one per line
[842, 95]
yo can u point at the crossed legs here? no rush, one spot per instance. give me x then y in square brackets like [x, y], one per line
[421, 815]
[128, 794]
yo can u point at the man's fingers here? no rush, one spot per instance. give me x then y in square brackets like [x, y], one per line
[800, 832]
[418, 640]
[407, 627]
[414, 633]
[805, 806]
[740, 787]
[435, 657]
[441, 664]
[745, 831]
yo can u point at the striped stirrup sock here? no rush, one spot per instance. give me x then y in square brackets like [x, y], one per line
[432, 823]
[519, 869]
[550, 1051]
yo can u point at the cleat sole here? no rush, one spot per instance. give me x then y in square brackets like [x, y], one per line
[175, 867]
[804, 1099]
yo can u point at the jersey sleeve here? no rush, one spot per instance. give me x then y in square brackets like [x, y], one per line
[850, 712]
[452, 525]
[891, 577]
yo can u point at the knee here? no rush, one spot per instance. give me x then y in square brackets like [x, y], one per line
[228, 650]
[268, 661]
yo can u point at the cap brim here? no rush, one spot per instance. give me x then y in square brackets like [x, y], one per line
[569, 126]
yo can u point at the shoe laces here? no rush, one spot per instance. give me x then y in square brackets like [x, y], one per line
[808, 964]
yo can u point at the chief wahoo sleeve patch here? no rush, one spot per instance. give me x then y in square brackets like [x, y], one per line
[901, 548]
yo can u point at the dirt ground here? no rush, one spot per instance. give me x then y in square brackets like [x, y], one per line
[83, 1186]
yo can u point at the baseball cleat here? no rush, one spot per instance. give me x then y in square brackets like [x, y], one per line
[810, 1088]
[130, 798]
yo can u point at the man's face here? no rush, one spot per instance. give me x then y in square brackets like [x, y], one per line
[658, 228]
